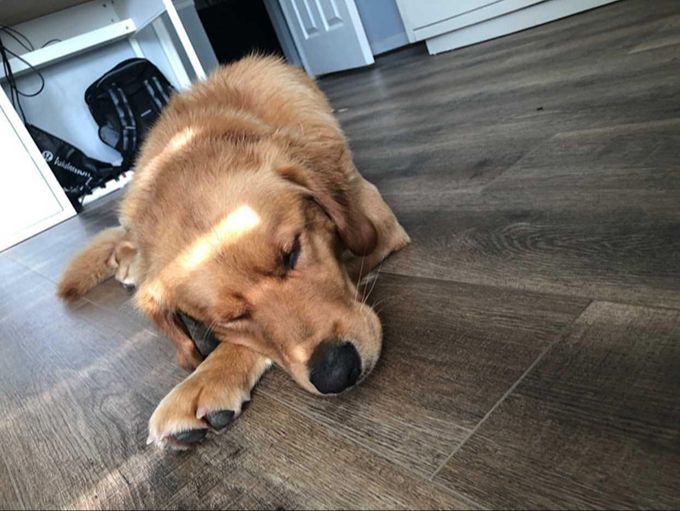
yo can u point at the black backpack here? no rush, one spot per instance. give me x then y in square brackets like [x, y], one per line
[125, 102]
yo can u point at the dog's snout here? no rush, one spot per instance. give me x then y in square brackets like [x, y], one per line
[334, 366]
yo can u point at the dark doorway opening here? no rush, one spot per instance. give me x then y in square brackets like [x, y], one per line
[237, 28]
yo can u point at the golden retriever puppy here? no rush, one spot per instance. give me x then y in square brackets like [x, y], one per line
[244, 200]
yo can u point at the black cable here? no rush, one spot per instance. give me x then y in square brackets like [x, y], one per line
[15, 34]
[55, 40]
[14, 97]
[15, 92]
[32, 68]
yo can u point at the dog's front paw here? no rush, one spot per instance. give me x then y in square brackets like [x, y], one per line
[201, 402]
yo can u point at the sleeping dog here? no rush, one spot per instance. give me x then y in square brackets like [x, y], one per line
[247, 216]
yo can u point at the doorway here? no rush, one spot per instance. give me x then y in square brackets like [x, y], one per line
[237, 28]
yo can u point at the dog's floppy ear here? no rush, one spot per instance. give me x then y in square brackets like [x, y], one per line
[341, 204]
[152, 300]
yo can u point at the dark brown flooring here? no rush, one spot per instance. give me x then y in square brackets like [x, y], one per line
[532, 330]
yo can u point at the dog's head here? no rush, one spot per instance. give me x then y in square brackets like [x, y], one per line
[259, 262]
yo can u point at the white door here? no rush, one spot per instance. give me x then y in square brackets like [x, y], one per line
[328, 34]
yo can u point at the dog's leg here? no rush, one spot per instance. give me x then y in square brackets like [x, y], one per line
[391, 236]
[211, 397]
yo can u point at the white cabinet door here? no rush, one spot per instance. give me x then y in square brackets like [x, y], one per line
[31, 199]
[450, 24]
[425, 19]
[328, 34]
[420, 14]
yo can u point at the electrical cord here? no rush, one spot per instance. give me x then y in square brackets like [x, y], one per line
[34, 70]
[9, 76]
[15, 92]
[16, 35]
[55, 40]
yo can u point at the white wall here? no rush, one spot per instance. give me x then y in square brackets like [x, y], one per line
[383, 25]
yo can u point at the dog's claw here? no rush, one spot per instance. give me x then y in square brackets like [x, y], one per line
[193, 436]
[220, 420]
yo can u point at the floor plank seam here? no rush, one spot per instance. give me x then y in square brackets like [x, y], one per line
[511, 389]
[409, 470]
[8, 254]
[102, 307]
[28, 267]
[535, 291]
[124, 317]
[492, 286]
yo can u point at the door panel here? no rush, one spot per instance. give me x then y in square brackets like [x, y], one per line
[328, 34]
[305, 19]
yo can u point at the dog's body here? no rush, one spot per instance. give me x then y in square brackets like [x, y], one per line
[244, 200]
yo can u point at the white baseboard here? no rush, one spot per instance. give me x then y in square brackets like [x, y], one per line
[531, 16]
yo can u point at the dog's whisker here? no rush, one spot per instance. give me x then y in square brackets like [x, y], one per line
[361, 271]
[382, 301]
[211, 328]
[377, 275]
[370, 279]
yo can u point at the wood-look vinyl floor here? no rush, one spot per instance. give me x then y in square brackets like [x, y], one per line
[532, 329]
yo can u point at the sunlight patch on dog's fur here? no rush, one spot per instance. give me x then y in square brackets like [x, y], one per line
[232, 227]
[182, 138]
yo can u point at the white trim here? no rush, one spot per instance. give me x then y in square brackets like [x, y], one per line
[534, 15]
[165, 40]
[71, 47]
[361, 33]
[184, 40]
[136, 47]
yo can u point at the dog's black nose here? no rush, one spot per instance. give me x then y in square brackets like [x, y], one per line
[334, 366]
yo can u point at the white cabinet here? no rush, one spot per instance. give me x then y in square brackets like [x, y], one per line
[30, 196]
[73, 42]
[449, 24]
[433, 14]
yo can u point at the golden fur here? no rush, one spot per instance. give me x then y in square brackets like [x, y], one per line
[110, 254]
[237, 171]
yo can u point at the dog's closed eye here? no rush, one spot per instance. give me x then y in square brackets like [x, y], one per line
[237, 320]
[240, 317]
[291, 256]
